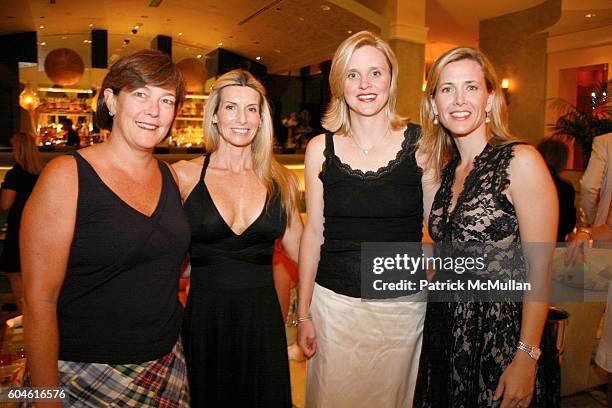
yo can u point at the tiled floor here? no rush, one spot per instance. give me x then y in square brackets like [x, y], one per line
[595, 398]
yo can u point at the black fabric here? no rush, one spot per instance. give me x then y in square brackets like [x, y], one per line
[376, 206]
[468, 345]
[22, 182]
[567, 207]
[119, 301]
[72, 138]
[233, 331]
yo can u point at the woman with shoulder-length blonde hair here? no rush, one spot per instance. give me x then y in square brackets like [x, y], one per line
[483, 351]
[363, 184]
[17, 186]
[239, 200]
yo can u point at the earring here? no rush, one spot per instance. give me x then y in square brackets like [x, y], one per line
[111, 113]
[488, 118]
[435, 119]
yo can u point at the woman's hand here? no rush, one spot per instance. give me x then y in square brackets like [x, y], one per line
[307, 338]
[577, 243]
[517, 382]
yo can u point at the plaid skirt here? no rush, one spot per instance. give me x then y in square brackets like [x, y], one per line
[160, 383]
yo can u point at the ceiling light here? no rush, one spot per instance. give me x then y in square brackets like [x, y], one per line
[199, 56]
[325, 7]
[91, 25]
[64, 37]
[66, 90]
[180, 34]
[257, 58]
[301, 18]
[85, 41]
[41, 27]
[43, 43]
[349, 31]
[590, 15]
[220, 44]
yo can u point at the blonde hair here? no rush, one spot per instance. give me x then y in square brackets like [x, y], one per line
[267, 169]
[436, 142]
[26, 153]
[336, 118]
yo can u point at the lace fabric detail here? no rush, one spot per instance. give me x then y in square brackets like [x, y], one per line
[482, 212]
[410, 137]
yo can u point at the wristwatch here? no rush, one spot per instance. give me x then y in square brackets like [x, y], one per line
[533, 351]
[586, 231]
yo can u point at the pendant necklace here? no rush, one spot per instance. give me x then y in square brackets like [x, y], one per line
[366, 151]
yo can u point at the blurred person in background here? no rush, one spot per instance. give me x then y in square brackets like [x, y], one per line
[555, 154]
[18, 183]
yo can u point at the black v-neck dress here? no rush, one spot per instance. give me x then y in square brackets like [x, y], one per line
[233, 331]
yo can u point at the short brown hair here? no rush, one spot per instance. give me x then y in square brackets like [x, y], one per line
[555, 154]
[135, 70]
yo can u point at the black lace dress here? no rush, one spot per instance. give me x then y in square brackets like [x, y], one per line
[468, 345]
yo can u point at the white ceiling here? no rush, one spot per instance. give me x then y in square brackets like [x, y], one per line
[286, 34]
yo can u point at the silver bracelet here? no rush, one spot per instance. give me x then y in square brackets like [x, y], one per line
[302, 319]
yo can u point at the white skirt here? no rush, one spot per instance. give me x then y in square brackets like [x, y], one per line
[367, 352]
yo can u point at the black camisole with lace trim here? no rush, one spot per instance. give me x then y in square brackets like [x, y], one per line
[374, 206]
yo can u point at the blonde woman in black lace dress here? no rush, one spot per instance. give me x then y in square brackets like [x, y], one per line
[495, 191]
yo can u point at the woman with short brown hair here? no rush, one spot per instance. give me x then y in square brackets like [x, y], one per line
[103, 237]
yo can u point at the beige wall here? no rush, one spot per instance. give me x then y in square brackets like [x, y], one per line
[411, 60]
[516, 44]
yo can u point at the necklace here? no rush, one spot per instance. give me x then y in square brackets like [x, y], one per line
[366, 151]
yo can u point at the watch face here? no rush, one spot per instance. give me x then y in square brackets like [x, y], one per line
[535, 353]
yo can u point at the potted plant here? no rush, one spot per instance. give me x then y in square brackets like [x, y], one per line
[583, 125]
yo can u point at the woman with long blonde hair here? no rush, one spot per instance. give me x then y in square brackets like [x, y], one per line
[239, 200]
[16, 188]
[363, 184]
[494, 191]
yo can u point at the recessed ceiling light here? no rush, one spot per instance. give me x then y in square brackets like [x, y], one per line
[180, 34]
[199, 56]
[41, 27]
[43, 43]
[590, 15]
[349, 31]
[325, 7]
[91, 25]
[220, 44]
[85, 41]
[257, 58]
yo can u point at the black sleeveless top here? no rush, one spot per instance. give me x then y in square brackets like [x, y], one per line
[376, 206]
[119, 301]
[223, 259]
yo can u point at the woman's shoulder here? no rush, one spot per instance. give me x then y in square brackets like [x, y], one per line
[186, 167]
[316, 146]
